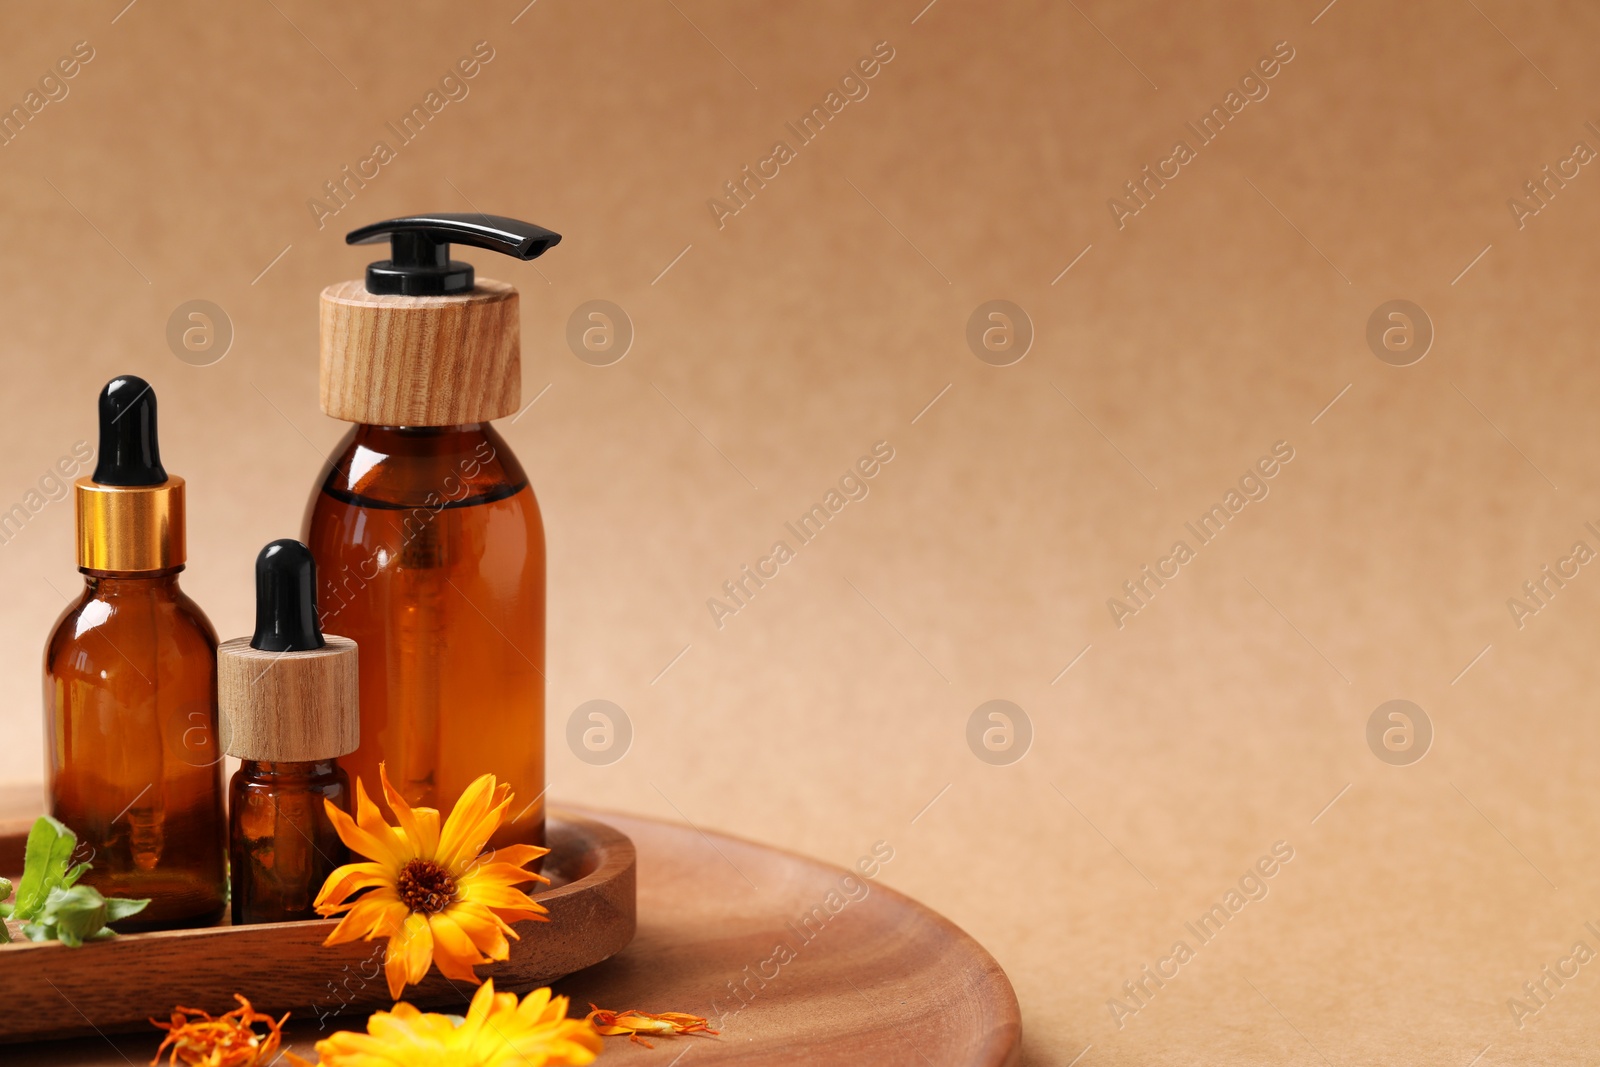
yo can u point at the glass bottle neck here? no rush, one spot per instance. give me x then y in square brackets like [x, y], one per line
[365, 428]
[109, 584]
[321, 768]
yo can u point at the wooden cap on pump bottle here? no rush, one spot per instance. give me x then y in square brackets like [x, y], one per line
[288, 693]
[417, 343]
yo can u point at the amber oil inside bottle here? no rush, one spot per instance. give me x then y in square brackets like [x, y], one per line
[135, 768]
[430, 555]
[284, 845]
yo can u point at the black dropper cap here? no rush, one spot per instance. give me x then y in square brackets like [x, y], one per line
[419, 250]
[286, 599]
[129, 451]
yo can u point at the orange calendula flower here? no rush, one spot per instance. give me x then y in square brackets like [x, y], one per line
[199, 1039]
[497, 1032]
[426, 888]
[634, 1023]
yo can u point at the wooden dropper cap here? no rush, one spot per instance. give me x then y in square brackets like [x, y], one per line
[421, 342]
[288, 694]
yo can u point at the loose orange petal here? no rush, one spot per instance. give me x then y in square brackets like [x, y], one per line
[634, 1022]
[228, 1040]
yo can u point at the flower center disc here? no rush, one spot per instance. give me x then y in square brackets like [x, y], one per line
[426, 887]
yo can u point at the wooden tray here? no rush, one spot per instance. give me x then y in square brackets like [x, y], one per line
[886, 982]
[49, 990]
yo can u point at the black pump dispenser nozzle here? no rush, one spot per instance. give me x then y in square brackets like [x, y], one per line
[420, 263]
[286, 599]
[129, 451]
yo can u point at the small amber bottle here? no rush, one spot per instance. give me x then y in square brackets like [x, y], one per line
[130, 687]
[289, 709]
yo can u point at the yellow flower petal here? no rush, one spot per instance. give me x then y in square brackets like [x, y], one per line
[509, 855]
[453, 950]
[497, 1032]
[485, 929]
[499, 874]
[482, 1006]
[512, 905]
[348, 879]
[378, 914]
[367, 834]
[421, 825]
[475, 817]
[536, 1005]
[409, 953]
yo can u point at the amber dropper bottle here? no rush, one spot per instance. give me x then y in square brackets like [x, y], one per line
[289, 709]
[130, 687]
[427, 535]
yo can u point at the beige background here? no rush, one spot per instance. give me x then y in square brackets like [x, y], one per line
[824, 317]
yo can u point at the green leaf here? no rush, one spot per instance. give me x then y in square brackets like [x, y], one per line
[76, 913]
[45, 859]
[55, 906]
[122, 907]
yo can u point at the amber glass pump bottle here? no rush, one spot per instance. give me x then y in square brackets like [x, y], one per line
[288, 696]
[130, 686]
[428, 540]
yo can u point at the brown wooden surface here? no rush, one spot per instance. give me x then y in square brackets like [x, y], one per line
[885, 982]
[50, 990]
[289, 705]
[421, 360]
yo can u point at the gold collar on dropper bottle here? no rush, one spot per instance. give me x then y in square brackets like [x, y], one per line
[130, 512]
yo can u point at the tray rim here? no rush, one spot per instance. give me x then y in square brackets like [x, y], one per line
[607, 895]
[610, 864]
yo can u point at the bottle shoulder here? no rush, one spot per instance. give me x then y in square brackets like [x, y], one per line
[112, 624]
[435, 467]
[68, 625]
[192, 616]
